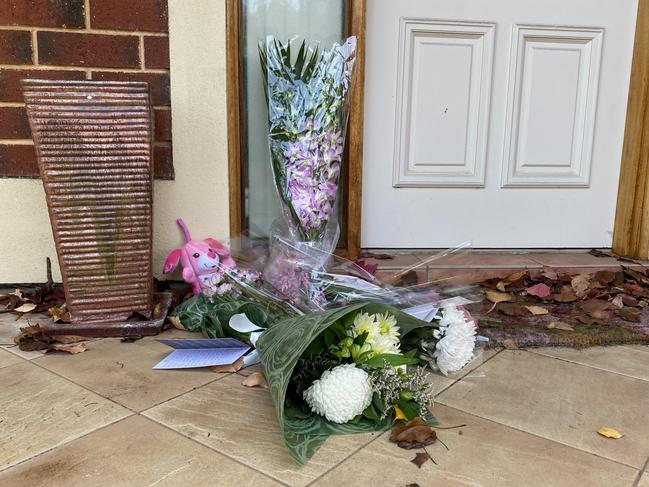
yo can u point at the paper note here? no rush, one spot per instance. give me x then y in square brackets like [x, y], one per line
[202, 353]
[425, 312]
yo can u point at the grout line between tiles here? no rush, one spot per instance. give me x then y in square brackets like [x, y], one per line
[66, 442]
[585, 365]
[214, 449]
[642, 471]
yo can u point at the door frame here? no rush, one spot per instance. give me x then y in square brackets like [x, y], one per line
[631, 231]
[352, 182]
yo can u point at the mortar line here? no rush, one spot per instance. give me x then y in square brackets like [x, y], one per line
[86, 30]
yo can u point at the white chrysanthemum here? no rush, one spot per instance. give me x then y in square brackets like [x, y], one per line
[364, 322]
[388, 326]
[383, 344]
[456, 341]
[341, 394]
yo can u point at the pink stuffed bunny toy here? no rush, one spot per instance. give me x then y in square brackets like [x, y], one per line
[203, 261]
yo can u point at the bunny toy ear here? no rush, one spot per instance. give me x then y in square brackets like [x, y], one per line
[172, 261]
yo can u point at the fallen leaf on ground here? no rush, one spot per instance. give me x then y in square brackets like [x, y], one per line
[610, 433]
[618, 301]
[539, 290]
[629, 314]
[580, 284]
[510, 344]
[589, 320]
[559, 325]
[416, 433]
[497, 296]
[606, 277]
[515, 276]
[537, 310]
[32, 338]
[69, 348]
[256, 379]
[59, 314]
[68, 338]
[502, 286]
[513, 309]
[566, 295]
[596, 308]
[229, 368]
[177, 324]
[420, 459]
[25, 308]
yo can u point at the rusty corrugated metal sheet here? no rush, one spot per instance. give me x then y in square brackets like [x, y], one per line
[94, 147]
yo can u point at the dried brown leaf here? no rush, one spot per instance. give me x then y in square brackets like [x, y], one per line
[510, 344]
[559, 325]
[497, 296]
[229, 368]
[596, 308]
[629, 314]
[537, 310]
[69, 348]
[610, 433]
[513, 309]
[580, 284]
[515, 276]
[420, 459]
[59, 314]
[25, 308]
[565, 295]
[539, 290]
[256, 379]
[502, 286]
[416, 433]
[68, 338]
[177, 324]
[618, 301]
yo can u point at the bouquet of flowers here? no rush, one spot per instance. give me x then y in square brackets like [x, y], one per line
[344, 370]
[308, 106]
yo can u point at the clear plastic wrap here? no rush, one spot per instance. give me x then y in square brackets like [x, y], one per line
[307, 92]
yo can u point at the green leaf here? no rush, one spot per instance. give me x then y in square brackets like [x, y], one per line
[360, 339]
[409, 408]
[329, 337]
[370, 412]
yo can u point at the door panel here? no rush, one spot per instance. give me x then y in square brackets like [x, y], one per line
[499, 122]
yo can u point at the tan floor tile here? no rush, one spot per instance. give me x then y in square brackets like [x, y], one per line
[7, 359]
[574, 259]
[560, 401]
[469, 371]
[40, 410]
[621, 360]
[134, 452]
[480, 259]
[241, 423]
[485, 454]
[123, 373]
[644, 480]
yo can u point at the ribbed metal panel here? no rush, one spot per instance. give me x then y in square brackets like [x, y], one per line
[94, 146]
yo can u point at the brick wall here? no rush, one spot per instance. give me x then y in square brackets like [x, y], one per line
[80, 39]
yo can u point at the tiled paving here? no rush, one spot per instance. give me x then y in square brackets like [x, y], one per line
[104, 418]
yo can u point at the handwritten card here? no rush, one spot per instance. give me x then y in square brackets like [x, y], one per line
[202, 353]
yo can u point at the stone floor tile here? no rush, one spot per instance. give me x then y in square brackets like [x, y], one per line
[241, 423]
[40, 410]
[131, 453]
[482, 453]
[7, 359]
[479, 259]
[123, 373]
[574, 259]
[627, 361]
[561, 401]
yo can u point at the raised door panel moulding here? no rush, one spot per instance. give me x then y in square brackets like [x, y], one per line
[551, 106]
[442, 103]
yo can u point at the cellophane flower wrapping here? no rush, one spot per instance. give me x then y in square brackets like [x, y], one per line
[307, 91]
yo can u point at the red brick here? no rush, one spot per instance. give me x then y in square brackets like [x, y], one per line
[15, 47]
[141, 15]
[162, 165]
[162, 125]
[14, 123]
[18, 161]
[93, 50]
[10, 89]
[43, 13]
[156, 52]
[158, 83]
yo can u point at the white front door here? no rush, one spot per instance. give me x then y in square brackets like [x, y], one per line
[499, 122]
